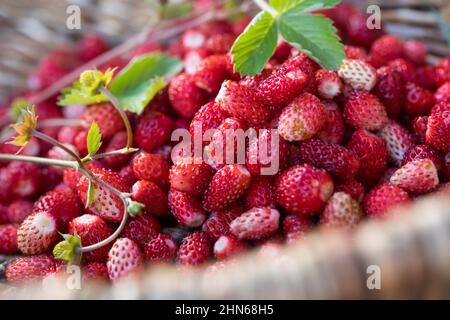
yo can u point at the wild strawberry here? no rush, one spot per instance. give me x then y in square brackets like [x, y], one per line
[91, 46]
[25, 270]
[24, 179]
[141, 229]
[124, 259]
[336, 159]
[390, 90]
[257, 223]
[333, 130]
[152, 130]
[398, 141]
[95, 271]
[91, 229]
[415, 51]
[383, 198]
[295, 227]
[355, 53]
[419, 127]
[364, 110]
[227, 246]
[119, 141]
[254, 81]
[302, 118]
[218, 223]
[260, 194]
[282, 51]
[147, 166]
[385, 49]
[107, 118]
[151, 196]
[186, 208]
[19, 209]
[195, 249]
[442, 94]
[417, 176]
[219, 43]
[80, 144]
[404, 67]
[161, 248]
[372, 153]
[351, 187]
[105, 204]
[210, 73]
[341, 211]
[442, 70]
[192, 39]
[8, 239]
[241, 102]
[227, 185]
[193, 58]
[423, 151]
[418, 101]
[303, 189]
[207, 117]
[301, 61]
[37, 233]
[186, 98]
[127, 175]
[190, 175]
[63, 205]
[438, 129]
[425, 77]
[358, 74]
[358, 32]
[328, 84]
[283, 85]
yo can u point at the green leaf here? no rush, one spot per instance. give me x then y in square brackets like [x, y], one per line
[94, 138]
[76, 95]
[315, 35]
[176, 10]
[136, 85]
[68, 249]
[90, 194]
[254, 47]
[283, 6]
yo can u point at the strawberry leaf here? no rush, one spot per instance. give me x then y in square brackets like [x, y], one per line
[68, 249]
[76, 95]
[313, 34]
[94, 138]
[137, 84]
[283, 6]
[90, 194]
[253, 48]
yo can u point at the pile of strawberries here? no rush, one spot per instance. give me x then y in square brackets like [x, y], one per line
[353, 145]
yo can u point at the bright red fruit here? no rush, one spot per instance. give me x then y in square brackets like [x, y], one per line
[442, 70]
[438, 129]
[151, 196]
[390, 90]
[161, 248]
[25, 270]
[418, 101]
[257, 223]
[383, 198]
[147, 166]
[24, 179]
[91, 46]
[260, 193]
[152, 130]
[211, 72]
[416, 176]
[295, 227]
[186, 208]
[141, 229]
[37, 233]
[334, 129]
[191, 175]
[19, 209]
[185, 96]
[8, 239]
[107, 118]
[195, 249]
[328, 84]
[207, 117]
[95, 271]
[386, 49]
[364, 110]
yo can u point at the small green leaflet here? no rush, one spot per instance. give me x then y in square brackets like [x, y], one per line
[67, 250]
[255, 45]
[315, 35]
[76, 95]
[90, 194]
[94, 138]
[282, 6]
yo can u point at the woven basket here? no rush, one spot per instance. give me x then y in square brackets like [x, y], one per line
[411, 249]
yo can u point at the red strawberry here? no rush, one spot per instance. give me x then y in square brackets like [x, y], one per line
[333, 130]
[302, 118]
[80, 144]
[218, 223]
[417, 176]
[227, 185]
[186, 209]
[358, 74]
[186, 98]
[336, 159]
[415, 51]
[364, 110]
[372, 153]
[328, 84]
[153, 129]
[37, 233]
[119, 141]
[24, 178]
[301, 61]
[425, 77]
[442, 95]
[351, 187]
[303, 189]
[105, 204]
[227, 246]
[385, 49]
[404, 67]
[383, 198]
[438, 129]
[260, 193]
[283, 85]
[282, 51]
[71, 177]
[254, 81]
[124, 259]
[419, 126]
[442, 70]
[219, 43]
[355, 53]
[127, 175]
[341, 211]
[19, 210]
[257, 223]
[241, 102]
[207, 117]
[107, 118]
[151, 196]
[91, 46]
[192, 39]
[398, 141]
[91, 229]
[95, 271]
[147, 166]
[8, 239]
[295, 227]
[24, 270]
[190, 175]
[193, 58]
[423, 151]
[358, 32]
[211, 72]
[195, 249]
[418, 101]
[390, 90]
[161, 248]
[141, 229]
[63, 205]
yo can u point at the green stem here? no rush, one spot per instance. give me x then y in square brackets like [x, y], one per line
[59, 122]
[38, 160]
[111, 153]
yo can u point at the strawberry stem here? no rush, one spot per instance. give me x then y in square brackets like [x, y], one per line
[39, 160]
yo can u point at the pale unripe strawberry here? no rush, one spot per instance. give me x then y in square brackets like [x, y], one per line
[328, 84]
[417, 176]
[398, 141]
[124, 258]
[257, 223]
[358, 74]
[37, 233]
[341, 211]
[227, 246]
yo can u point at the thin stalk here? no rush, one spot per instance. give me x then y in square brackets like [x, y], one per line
[112, 153]
[38, 160]
[59, 122]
